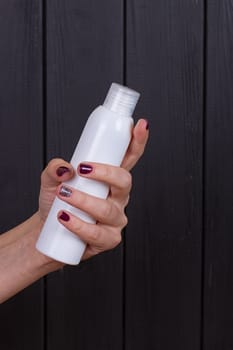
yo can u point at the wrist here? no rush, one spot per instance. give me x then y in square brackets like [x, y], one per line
[35, 262]
[43, 262]
[21, 263]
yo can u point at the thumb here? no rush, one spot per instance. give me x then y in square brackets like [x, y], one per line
[56, 172]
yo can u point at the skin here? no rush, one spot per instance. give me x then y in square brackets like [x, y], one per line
[21, 264]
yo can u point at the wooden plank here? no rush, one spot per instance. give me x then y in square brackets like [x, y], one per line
[21, 317]
[84, 55]
[218, 322]
[164, 234]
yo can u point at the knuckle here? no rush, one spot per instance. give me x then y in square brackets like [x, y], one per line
[94, 234]
[124, 221]
[127, 199]
[127, 180]
[106, 210]
[117, 239]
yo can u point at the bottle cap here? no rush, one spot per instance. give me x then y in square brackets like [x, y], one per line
[121, 99]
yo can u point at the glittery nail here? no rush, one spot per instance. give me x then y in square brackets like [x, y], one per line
[65, 191]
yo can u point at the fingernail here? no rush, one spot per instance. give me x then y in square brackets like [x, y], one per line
[64, 216]
[147, 124]
[85, 169]
[62, 170]
[65, 191]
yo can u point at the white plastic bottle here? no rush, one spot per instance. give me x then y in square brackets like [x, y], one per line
[105, 139]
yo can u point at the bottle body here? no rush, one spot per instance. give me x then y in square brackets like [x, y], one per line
[105, 139]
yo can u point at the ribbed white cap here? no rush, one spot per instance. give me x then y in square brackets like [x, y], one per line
[121, 99]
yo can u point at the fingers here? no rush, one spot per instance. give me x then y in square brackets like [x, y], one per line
[109, 214]
[56, 172]
[101, 210]
[137, 144]
[118, 179]
[98, 236]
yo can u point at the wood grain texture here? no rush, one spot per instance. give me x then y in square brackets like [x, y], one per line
[21, 152]
[218, 321]
[149, 295]
[84, 55]
[164, 235]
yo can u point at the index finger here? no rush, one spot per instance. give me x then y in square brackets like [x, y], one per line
[137, 144]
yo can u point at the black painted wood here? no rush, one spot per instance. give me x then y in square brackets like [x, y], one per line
[164, 234]
[149, 295]
[21, 149]
[84, 55]
[218, 301]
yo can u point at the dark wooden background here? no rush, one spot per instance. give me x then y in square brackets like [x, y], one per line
[169, 285]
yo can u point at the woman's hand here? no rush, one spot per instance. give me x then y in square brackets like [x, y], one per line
[109, 213]
[56, 172]
[21, 264]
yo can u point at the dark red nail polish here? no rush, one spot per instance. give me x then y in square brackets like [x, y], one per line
[62, 170]
[64, 216]
[85, 169]
[147, 124]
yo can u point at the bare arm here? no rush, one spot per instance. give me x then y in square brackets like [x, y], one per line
[20, 263]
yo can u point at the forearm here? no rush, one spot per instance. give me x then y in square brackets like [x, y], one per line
[20, 263]
[20, 230]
